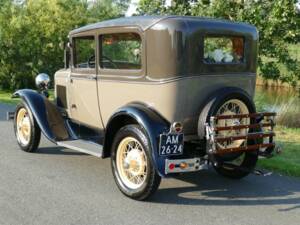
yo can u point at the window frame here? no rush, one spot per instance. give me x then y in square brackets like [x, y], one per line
[73, 53]
[121, 73]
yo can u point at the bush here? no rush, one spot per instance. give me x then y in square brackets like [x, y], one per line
[288, 114]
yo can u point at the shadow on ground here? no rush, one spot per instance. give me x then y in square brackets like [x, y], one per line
[57, 150]
[208, 188]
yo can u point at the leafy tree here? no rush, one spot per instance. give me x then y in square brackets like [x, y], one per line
[277, 21]
[32, 33]
[154, 7]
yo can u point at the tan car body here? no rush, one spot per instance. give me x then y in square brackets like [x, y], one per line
[172, 80]
[188, 106]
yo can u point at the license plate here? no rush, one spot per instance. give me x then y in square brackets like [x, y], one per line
[171, 144]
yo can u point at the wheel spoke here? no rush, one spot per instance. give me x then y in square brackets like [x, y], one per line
[131, 162]
[232, 107]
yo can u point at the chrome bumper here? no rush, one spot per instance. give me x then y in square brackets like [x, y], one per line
[184, 165]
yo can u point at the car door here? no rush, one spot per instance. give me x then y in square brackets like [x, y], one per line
[84, 107]
[121, 68]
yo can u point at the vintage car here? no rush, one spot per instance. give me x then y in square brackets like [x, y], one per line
[159, 95]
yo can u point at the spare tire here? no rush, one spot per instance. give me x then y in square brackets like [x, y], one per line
[230, 101]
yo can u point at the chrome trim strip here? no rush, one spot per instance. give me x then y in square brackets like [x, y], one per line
[85, 77]
[149, 80]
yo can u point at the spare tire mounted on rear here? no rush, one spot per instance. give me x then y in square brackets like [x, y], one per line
[230, 101]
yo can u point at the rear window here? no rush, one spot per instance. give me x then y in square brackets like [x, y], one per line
[121, 51]
[223, 50]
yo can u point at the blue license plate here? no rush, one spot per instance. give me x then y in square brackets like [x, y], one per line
[171, 144]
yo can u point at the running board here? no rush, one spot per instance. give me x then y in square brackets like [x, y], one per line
[79, 145]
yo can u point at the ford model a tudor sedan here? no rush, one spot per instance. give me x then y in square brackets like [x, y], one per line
[158, 95]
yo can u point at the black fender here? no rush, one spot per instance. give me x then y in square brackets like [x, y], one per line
[153, 123]
[45, 113]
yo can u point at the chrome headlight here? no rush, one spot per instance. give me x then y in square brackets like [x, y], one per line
[42, 81]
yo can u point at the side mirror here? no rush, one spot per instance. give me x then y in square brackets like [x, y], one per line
[42, 82]
[67, 55]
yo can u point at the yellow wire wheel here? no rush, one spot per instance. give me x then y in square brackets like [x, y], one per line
[23, 127]
[132, 165]
[27, 131]
[232, 107]
[131, 162]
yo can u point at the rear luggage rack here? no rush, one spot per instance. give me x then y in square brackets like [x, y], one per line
[259, 131]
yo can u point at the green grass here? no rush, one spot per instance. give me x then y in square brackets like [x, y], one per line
[287, 162]
[5, 97]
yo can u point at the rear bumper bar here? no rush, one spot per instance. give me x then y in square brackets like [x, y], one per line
[184, 165]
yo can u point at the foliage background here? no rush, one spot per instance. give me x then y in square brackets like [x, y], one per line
[277, 21]
[32, 31]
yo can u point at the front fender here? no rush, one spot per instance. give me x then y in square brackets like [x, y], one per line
[45, 113]
[150, 121]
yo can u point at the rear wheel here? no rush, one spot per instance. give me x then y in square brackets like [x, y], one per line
[26, 129]
[132, 166]
[232, 165]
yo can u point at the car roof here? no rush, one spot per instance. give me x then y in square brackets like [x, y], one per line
[141, 21]
[145, 22]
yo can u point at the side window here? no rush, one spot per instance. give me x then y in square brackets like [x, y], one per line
[218, 50]
[120, 51]
[84, 52]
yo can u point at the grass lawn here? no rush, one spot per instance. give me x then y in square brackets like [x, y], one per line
[5, 97]
[287, 162]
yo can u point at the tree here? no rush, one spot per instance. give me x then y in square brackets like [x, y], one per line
[32, 33]
[277, 21]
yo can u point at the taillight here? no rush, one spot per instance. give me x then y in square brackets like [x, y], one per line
[177, 127]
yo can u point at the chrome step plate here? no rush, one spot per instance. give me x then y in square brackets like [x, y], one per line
[84, 146]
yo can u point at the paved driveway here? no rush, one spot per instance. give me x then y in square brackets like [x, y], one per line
[60, 186]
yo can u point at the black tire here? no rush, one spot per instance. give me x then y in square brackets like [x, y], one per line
[210, 109]
[152, 179]
[35, 134]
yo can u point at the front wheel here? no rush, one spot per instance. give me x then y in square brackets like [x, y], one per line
[132, 166]
[26, 129]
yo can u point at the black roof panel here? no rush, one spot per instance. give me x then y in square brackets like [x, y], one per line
[144, 22]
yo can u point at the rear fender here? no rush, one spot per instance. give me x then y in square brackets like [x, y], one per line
[45, 113]
[149, 120]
